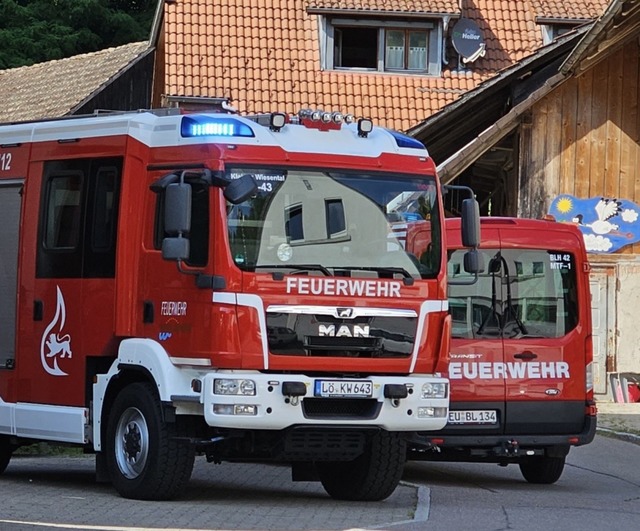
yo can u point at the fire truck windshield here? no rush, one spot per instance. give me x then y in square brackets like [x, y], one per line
[337, 223]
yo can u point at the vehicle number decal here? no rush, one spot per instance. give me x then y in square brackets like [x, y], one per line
[5, 161]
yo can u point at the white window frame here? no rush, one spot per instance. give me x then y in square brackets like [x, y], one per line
[327, 41]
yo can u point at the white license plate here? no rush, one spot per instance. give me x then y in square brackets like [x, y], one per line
[473, 416]
[343, 388]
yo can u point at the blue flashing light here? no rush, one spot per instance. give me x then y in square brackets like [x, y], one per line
[198, 126]
[405, 141]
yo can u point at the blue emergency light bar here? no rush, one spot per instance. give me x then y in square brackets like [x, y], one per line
[199, 126]
[405, 141]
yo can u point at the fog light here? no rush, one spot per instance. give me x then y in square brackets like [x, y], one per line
[235, 409]
[434, 390]
[229, 386]
[431, 412]
[245, 409]
[223, 409]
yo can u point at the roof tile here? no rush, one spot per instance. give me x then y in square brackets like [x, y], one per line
[424, 6]
[265, 55]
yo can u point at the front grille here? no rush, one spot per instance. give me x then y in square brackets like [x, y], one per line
[324, 445]
[341, 408]
[342, 343]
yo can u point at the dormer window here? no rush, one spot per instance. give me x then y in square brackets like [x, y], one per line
[552, 29]
[396, 46]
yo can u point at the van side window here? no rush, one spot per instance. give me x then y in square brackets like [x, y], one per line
[78, 219]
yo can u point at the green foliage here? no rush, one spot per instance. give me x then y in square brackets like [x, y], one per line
[32, 31]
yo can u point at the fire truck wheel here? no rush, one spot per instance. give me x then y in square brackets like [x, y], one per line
[145, 460]
[373, 476]
[542, 469]
[5, 452]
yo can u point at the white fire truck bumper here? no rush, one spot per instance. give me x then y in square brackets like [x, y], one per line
[254, 400]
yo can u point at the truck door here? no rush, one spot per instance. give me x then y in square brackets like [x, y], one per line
[544, 325]
[477, 384]
[67, 305]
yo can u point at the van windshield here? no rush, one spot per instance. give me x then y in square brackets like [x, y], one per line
[521, 293]
[337, 223]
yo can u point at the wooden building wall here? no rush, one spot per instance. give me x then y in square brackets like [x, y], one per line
[583, 138]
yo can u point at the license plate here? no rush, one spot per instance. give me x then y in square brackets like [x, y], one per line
[343, 388]
[473, 416]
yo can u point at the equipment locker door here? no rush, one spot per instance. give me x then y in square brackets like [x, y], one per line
[10, 206]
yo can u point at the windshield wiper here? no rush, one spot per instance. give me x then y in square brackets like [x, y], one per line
[408, 278]
[295, 267]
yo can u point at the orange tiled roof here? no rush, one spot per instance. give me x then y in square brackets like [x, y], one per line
[265, 56]
[405, 6]
[559, 9]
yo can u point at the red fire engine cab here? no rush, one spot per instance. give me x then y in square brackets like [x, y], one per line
[181, 284]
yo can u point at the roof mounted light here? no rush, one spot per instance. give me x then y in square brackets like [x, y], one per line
[208, 125]
[304, 114]
[277, 121]
[316, 115]
[337, 117]
[326, 117]
[365, 126]
[349, 118]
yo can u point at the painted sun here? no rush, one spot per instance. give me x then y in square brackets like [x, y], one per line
[564, 205]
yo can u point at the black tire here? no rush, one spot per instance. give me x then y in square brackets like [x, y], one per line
[373, 476]
[144, 458]
[542, 469]
[5, 452]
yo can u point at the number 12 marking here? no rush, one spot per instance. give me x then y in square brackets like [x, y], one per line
[5, 162]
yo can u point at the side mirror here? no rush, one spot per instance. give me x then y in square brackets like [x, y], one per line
[473, 262]
[241, 189]
[177, 221]
[470, 223]
[177, 208]
[176, 249]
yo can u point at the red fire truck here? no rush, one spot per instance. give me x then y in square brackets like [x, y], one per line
[181, 284]
[521, 350]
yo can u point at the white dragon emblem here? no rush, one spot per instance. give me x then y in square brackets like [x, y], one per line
[55, 345]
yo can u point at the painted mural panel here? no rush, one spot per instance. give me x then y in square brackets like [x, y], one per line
[607, 224]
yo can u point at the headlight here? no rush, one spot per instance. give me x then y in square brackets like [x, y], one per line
[228, 386]
[434, 390]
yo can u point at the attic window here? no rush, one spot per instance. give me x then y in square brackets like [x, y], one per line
[551, 31]
[381, 46]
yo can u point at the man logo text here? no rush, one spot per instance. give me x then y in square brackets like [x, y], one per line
[344, 331]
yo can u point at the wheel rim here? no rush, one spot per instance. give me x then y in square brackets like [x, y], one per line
[132, 443]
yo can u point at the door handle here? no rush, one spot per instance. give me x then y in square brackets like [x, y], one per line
[526, 355]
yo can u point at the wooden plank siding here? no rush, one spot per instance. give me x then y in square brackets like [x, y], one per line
[584, 138]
